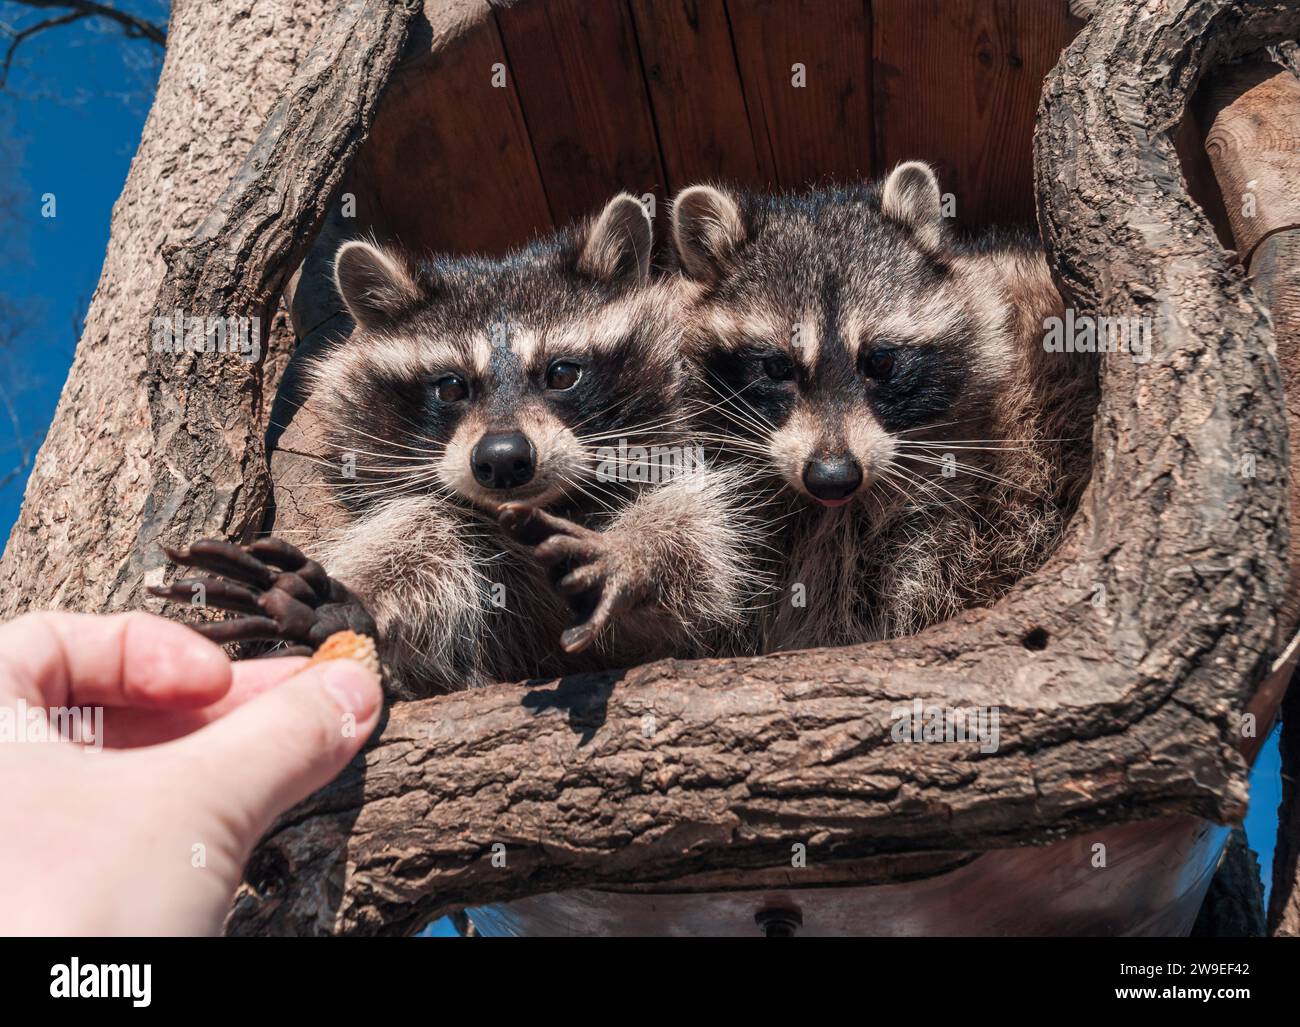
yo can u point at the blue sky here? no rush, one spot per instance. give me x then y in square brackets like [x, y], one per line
[70, 120]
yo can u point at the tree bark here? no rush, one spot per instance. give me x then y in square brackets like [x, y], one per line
[1251, 115]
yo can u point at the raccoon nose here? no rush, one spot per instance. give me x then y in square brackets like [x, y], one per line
[833, 478]
[503, 460]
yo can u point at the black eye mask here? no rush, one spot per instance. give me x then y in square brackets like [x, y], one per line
[921, 386]
[618, 387]
[742, 381]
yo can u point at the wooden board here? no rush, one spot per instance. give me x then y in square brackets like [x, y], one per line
[651, 95]
[696, 94]
[578, 75]
[820, 130]
[957, 83]
[449, 157]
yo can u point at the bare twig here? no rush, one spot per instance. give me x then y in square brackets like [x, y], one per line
[132, 26]
[23, 446]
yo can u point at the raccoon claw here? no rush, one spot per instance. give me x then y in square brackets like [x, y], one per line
[574, 640]
[529, 525]
[280, 594]
[585, 566]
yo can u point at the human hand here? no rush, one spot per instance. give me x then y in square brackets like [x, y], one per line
[151, 834]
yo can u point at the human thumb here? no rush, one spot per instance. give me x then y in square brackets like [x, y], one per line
[275, 750]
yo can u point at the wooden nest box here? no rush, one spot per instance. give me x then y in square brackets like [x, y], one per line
[769, 792]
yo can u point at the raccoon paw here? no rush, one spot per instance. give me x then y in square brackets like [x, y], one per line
[282, 596]
[592, 570]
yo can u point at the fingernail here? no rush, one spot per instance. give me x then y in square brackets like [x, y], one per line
[352, 686]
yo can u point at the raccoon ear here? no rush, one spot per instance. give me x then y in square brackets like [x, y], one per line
[377, 285]
[911, 195]
[617, 245]
[707, 231]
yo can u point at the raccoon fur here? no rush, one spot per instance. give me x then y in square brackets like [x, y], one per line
[919, 450]
[474, 408]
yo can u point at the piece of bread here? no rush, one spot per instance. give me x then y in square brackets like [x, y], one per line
[348, 645]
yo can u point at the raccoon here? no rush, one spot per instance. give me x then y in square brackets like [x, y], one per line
[482, 408]
[920, 450]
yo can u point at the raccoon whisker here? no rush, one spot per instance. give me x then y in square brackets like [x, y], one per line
[741, 453]
[387, 489]
[735, 394]
[389, 457]
[603, 410]
[928, 485]
[928, 427]
[696, 409]
[899, 476]
[747, 426]
[724, 442]
[728, 399]
[387, 442]
[721, 443]
[939, 446]
[975, 445]
[388, 470]
[739, 417]
[755, 422]
[413, 475]
[601, 489]
[392, 488]
[332, 465]
[1001, 443]
[977, 472]
[630, 434]
[640, 429]
[627, 430]
[601, 503]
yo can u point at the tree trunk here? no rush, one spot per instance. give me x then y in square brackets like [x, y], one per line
[1250, 113]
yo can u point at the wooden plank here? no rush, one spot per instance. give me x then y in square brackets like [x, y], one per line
[822, 129]
[449, 159]
[578, 75]
[696, 93]
[957, 84]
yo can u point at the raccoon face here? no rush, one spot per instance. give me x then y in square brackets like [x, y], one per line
[836, 333]
[498, 380]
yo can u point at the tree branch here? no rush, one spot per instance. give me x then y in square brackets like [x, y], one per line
[132, 27]
[206, 410]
